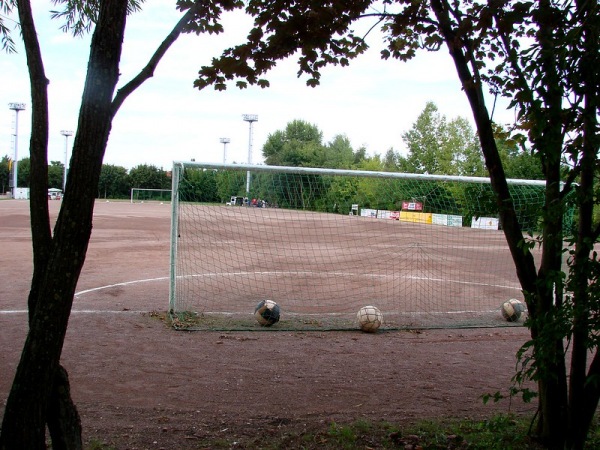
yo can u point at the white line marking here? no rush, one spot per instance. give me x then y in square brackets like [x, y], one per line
[125, 283]
[224, 274]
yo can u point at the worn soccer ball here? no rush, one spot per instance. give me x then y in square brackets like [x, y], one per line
[369, 319]
[512, 310]
[267, 312]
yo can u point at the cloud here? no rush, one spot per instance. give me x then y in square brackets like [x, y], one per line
[372, 102]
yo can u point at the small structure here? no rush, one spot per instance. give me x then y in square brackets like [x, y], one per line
[54, 194]
[237, 201]
[21, 193]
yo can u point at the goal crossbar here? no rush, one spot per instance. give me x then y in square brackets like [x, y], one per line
[351, 173]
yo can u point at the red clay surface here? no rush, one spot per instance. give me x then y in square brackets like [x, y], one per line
[141, 385]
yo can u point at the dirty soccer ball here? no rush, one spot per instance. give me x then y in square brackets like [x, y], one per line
[512, 310]
[369, 319]
[267, 312]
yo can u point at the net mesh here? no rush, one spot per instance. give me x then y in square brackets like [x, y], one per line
[426, 252]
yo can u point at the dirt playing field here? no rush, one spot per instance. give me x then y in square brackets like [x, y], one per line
[139, 384]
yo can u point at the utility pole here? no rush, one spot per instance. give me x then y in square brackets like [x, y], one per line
[16, 107]
[66, 134]
[224, 141]
[250, 118]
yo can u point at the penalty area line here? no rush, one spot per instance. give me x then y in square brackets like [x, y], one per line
[93, 311]
[125, 283]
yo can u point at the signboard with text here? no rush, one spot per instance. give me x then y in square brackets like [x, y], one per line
[412, 206]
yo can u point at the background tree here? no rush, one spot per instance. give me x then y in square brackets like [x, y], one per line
[230, 183]
[338, 153]
[462, 141]
[24, 173]
[5, 173]
[426, 143]
[40, 393]
[148, 177]
[113, 182]
[438, 147]
[360, 155]
[518, 161]
[300, 144]
[545, 58]
[391, 161]
[201, 185]
[56, 174]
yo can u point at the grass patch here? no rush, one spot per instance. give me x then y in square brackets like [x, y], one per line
[501, 432]
[97, 445]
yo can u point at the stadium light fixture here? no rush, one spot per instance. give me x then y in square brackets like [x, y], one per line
[250, 118]
[224, 141]
[66, 134]
[16, 107]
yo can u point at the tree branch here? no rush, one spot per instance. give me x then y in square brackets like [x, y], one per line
[148, 71]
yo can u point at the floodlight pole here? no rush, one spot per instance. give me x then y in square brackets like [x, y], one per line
[250, 118]
[16, 107]
[66, 134]
[224, 141]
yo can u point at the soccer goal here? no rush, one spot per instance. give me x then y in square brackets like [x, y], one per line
[141, 195]
[427, 251]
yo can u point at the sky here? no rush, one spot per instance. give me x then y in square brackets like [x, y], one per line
[372, 102]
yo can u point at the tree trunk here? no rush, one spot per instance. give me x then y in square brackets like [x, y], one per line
[552, 398]
[584, 390]
[64, 423]
[40, 221]
[31, 395]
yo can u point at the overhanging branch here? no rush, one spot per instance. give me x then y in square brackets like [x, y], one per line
[148, 71]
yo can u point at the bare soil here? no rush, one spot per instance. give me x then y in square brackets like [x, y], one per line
[139, 384]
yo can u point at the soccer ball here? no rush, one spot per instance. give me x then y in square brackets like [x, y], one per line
[512, 310]
[369, 319]
[267, 312]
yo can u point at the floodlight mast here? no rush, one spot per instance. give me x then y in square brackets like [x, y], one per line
[250, 118]
[16, 107]
[66, 134]
[224, 141]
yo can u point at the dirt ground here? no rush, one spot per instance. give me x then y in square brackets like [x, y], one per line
[139, 384]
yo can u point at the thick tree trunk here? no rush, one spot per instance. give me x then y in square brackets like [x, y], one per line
[31, 395]
[64, 423]
[552, 385]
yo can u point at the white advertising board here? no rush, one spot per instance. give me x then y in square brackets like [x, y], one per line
[366, 212]
[485, 223]
[22, 193]
[447, 220]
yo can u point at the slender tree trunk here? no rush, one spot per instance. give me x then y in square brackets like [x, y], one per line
[584, 390]
[69, 435]
[34, 385]
[549, 352]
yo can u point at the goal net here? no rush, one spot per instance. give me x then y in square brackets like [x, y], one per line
[321, 243]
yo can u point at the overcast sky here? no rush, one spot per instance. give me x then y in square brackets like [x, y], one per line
[372, 102]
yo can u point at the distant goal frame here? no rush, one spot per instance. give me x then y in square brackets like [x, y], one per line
[133, 190]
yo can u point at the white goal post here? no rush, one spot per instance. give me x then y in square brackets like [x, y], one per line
[322, 243]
